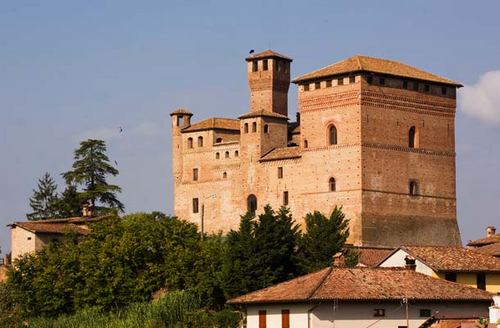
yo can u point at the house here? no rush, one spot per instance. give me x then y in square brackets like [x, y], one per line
[488, 245]
[373, 135]
[457, 264]
[31, 236]
[360, 297]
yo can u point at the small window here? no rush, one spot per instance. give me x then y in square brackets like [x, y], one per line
[224, 175]
[332, 186]
[352, 79]
[254, 127]
[306, 87]
[285, 198]
[317, 85]
[381, 80]
[332, 135]
[285, 318]
[412, 137]
[427, 88]
[190, 143]
[481, 281]
[262, 319]
[425, 313]
[252, 204]
[280, 172]
[195, 205]
[218, 140]
[379, 312]
[369, 79]
[178, 121]
[226, 154]
[444, 90]
[340, 81]
[29, 238]
[415, 86]
[217, 155]
[450, 276]
[245, 128]
[413, 188]
[236, 153]
[255, 66]
[405, 84]
[306, 144]
[265, 65]
[195, 174]
[200, 141]
[329, 83]
[266, 128]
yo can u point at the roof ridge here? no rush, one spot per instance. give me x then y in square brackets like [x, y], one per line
[320, 283]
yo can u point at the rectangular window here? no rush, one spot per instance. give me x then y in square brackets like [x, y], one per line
[382, 81]
[369, 79]
[329, 83]
[340, 81]
[285, 198]
[379, 312]
[352, 79]
[481, 281]
[306, 87]
[280, 173]
[425, 313]
[195, 205]
[317, 85]
[444, 90]
[195, 174]
[262, 319]
[450, 276]
[285, 318]
[405, 84]
[255, 66]
[265, 65]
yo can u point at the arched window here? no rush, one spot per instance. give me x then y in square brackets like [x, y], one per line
[190, 142]
[413, 188]
[226, 154]
[224, 175]
[332, 135]
[245, 128]
[306, 144]
[252, 204]
[254, 127]
[217, 155]
[218, 140]
[200, 141]
[332, 185]
[266, 128]
[413, 137]
[236, 153]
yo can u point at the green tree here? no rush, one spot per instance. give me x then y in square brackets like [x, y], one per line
[69, 203]
[323, 238]
[90, 171]
[44, 199]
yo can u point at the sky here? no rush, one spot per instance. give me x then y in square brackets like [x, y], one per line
[71, 70]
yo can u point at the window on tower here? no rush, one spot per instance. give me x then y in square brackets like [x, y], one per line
[195, 174]
[285, 198]
[332, 185]
[195, 205]
[352, 79]
[332, 135]
[413, 141]
[340, 81]
[217, 155]
[414, 189]
[226, 154]
[266, 128]
[255, 66]
[280, 172]
[317, 85]
[245, 128]
[252, 204]
[254, 127]
[306, 87]
[190, 143]
[200, 141]
[265, 64]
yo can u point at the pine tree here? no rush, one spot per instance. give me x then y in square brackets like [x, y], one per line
[90, 169]
[324, 237]
[68, 204]
[43, 200]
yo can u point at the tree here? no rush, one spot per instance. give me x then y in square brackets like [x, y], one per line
[90, 170]
[43, 200]
[323, 238]
[69, 203]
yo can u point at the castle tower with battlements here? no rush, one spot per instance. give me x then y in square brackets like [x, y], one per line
[372, 135]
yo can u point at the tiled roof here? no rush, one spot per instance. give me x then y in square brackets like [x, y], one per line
[282, 153]
[59, 226]
[372, 256]
[214, 123]
[485, 241]
[181, 111]
[375, 65]
[268, 54]
[263, 113]
[454, 259]
[491, 249]
[364, 284]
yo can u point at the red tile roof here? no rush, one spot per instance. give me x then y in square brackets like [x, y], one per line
[375, 65]
[268, 54]
[372, 256]
[491, 249]
[214, 123]
[454, 259]
[59, 226]
[282, 153]
[263, 113]
[364, 284]
[485, 241]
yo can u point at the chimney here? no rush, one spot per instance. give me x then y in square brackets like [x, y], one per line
[410, 263]
[338, 260]
[87, 210]
[490, 231]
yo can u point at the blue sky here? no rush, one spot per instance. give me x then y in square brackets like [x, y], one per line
[76, 69]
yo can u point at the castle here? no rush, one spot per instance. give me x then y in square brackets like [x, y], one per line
[372, 135]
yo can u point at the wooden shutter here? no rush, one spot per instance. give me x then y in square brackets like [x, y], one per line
[262, 319]
[285, 318]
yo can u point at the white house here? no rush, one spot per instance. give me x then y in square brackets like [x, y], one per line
[360, 297]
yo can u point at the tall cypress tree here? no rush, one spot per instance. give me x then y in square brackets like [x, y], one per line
[44, 199]
[90, 170]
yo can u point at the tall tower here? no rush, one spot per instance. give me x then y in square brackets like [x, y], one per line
[181, 118]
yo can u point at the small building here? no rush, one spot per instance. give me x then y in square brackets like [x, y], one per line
[488, 245]
[360, 297]
[31, 236]
[456, 264]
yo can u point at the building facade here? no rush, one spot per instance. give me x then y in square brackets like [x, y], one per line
[372, 135]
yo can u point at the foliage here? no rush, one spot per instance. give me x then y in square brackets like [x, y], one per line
[90, 169]
[208, 319]
[10, 311]
[69, 203]
[44, 198]
[323, 238]
[260, 253]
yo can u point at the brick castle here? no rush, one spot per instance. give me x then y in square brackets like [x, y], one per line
[373, 135]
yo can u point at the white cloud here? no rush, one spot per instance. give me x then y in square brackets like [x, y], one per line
[482, 100]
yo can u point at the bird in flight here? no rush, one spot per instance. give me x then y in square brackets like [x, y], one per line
[251, 51]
